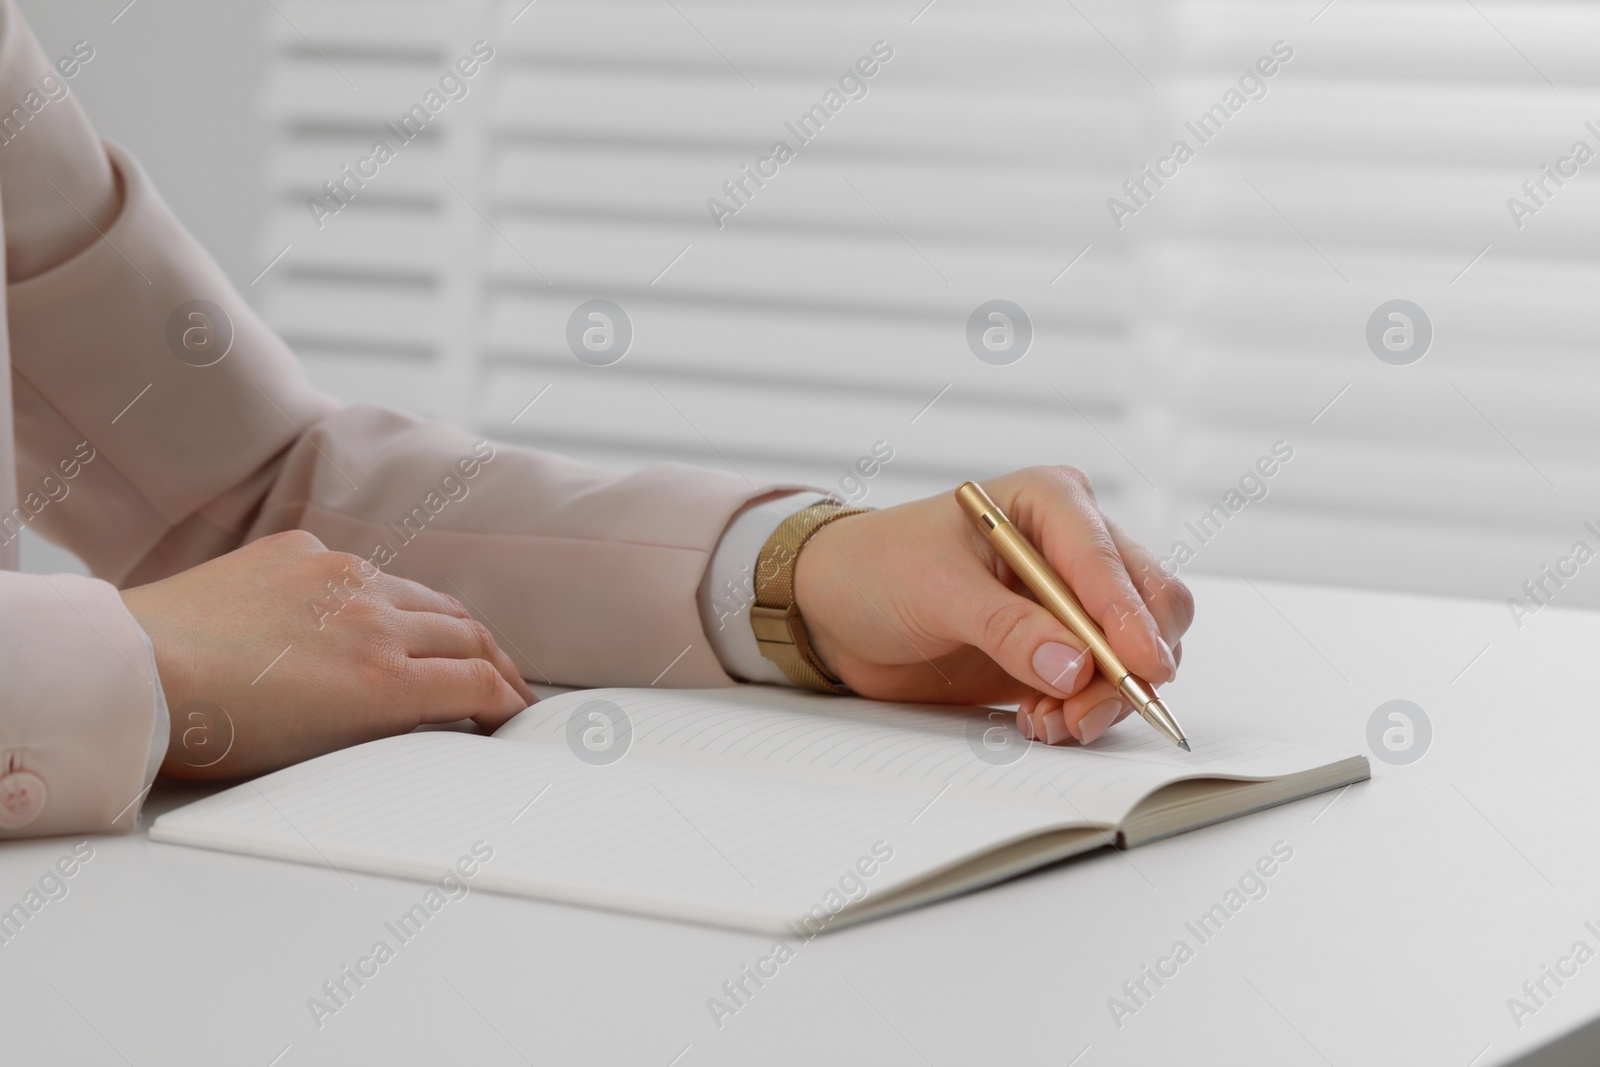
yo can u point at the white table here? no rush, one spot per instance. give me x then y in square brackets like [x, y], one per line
[1413, 907]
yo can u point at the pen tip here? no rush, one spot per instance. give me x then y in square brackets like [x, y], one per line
[1185, 746]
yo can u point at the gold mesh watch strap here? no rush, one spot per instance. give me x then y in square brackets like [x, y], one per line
[775, 617]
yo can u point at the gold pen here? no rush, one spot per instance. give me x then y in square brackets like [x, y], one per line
[1036, 574]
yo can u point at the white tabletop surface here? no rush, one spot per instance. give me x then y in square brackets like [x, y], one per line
[1414, 906]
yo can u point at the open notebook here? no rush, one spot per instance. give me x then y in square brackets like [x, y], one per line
[756, 807]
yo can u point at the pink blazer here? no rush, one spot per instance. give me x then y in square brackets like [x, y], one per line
[145, 463]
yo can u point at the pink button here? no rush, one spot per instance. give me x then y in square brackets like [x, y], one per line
[21, 799]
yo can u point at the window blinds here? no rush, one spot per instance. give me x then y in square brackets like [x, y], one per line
[1180, 344]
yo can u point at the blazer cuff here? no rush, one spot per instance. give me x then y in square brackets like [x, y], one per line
[728, 588]
[79, 710]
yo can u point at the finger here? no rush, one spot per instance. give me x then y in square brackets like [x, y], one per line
[1025, 709]
[450, 689]
[1026, 705]
[1028, 642]
[965, 676]
[1170, 602]
[1046, 723]
[1098, 716]
[1066, 524]
[429, 636]
[1083, 717]
[408, 595]
[297, 542]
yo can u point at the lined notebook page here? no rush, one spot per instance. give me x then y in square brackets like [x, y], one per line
[704, 844]
[919, 751]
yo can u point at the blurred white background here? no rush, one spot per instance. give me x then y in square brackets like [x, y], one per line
[1170, 355]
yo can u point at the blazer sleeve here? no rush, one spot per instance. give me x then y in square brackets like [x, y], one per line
[206, 434]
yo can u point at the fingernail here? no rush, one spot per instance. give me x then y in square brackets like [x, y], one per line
[1057, 664]
[1166, 658]
[1092, 725]
[1055, 728]
[1025, 724]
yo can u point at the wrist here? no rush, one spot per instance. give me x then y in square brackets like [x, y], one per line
[817, 592]
[175, 680]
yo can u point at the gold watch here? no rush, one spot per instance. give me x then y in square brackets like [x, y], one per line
[775, 617]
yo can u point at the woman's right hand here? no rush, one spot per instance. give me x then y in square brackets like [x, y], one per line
[283, 650]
